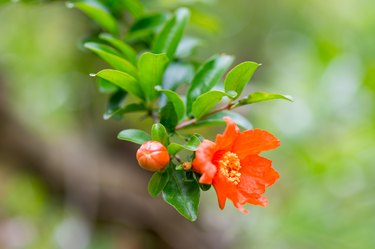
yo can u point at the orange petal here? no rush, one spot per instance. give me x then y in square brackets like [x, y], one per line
[226, 140]
[203, 161]
[252, 142]
[256, 174]
[225, 189]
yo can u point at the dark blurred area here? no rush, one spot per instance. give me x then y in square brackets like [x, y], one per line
[66, 182]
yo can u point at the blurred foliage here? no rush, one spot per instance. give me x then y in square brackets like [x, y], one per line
[320, 52]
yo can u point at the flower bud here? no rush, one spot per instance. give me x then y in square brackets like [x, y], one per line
[152, 156]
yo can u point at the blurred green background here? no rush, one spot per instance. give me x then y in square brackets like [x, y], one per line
[320, 52]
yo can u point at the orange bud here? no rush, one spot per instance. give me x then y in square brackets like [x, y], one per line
[152, 156]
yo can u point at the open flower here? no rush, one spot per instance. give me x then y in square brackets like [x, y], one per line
[233, 166]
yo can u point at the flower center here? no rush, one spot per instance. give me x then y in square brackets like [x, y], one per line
[229, 166]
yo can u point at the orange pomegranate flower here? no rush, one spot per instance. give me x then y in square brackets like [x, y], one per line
[232, 165]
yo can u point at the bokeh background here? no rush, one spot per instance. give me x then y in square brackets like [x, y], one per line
[67, 183]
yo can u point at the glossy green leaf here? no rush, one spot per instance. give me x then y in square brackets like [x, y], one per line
[125, 49]
[157, 183]
[114, 105]
[187, 47]
[146, 26]
[105, 86]
[95, 46]
[190, 145]
[262, 96]
[122, 80]
[115, 61]
[217, 119]
[135, 7]
[134, 135]
[168, 117]
[181, 194]
[206, 77]
[118, 113]
[204, 103]
[160, 134]
[178, 73]
[176, 100]
[239, 76]
[151, 69]
[170, 35]
[99, 13]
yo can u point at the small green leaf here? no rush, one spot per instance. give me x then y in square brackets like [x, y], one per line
[178, 73]
[157, 183]
[105, 86]
[122, 80]
[134, 135]
[191, 145]
[206, 77]
[159, 133]
[217, 119]
[114, 105]
[187, 47]
[170, 35]
[133, 107]
[168, 117]
[151, 69]
[125, 49]
[206, 102]
[146, 26]
[239, 76]
[182, 195]
[175, 99]
[99, 13]
[262, 96]
[135, 7]
[115, 61]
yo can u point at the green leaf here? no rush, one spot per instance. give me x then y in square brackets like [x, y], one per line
[114, 105]
[135, 7]
[217, 119]
[175, 99]
[157, 183]
[170, 35]
[206, 102]
[187, 47]
[178, 73]
[191, 145]
[160, 134]
[99, 13]
[151, 69]
[146, 26]
[206, 77]
[115, 61]
[182, 195]
[239, 76]
[134, 135]
[106, 87]
[262, 96]
[122, 80]
[118, 114]
[168, 117]
[125, 49]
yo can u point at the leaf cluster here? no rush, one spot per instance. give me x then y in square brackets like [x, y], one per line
[151, 60]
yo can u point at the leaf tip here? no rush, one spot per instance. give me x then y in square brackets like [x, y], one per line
[92, 74]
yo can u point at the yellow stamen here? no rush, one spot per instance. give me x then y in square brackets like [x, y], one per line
[229, 166]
